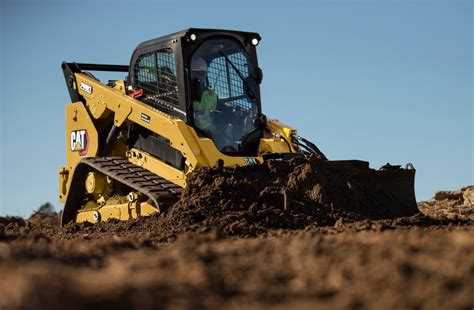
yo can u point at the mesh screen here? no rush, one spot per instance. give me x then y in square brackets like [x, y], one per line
[155, 73]
[226, 82]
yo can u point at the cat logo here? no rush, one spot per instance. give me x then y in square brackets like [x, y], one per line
[80, 141]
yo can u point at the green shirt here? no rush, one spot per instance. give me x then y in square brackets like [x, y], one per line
[203, 108]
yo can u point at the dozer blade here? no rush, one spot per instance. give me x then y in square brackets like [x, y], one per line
[385, 193]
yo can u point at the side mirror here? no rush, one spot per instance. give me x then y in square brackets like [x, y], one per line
[257, 75]
[196, 88]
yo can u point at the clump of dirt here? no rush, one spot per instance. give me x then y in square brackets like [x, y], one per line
[45, 219]
[457, 204]
[10, 219]
[38, 225]
[6, 221]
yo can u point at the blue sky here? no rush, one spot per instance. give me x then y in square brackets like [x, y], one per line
[382, 81]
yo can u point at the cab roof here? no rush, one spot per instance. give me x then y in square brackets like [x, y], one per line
[189, 31]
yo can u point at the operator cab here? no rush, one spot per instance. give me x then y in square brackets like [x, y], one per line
[208, 78]
[224, 93]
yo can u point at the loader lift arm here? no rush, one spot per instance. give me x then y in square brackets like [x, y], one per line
[70, 68]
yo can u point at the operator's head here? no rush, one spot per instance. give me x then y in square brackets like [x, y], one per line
[199, 68]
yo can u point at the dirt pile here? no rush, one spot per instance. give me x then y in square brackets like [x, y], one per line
[457, 204]
[276, 195]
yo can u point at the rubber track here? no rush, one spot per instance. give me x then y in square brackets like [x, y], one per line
[163, 193]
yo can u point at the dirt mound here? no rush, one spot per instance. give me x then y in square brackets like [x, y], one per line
[276, 195]
[456, 204]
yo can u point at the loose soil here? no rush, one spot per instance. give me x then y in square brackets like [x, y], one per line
[282, 235]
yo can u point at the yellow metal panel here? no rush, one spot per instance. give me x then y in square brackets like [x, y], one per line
[123, 211]
[79, 144]
[157, 166]
[146, 209]
[86, 216]
[120, 86]
[273, 145]
[121, 114]
[82, 140]
[63, 183]
[277, 127]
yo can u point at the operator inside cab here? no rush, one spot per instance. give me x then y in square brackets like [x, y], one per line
[224, 99]
[207, 103]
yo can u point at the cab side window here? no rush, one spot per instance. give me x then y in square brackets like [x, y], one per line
[156, 75]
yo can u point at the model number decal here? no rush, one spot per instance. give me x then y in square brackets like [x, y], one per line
[145, 118]
[80, 141]
[250, 161]
[87, 88]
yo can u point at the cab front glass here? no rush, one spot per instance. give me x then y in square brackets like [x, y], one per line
[224, 93]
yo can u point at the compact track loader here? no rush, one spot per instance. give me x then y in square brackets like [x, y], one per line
[191, 99]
